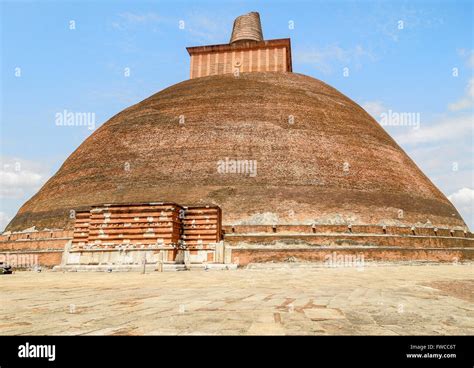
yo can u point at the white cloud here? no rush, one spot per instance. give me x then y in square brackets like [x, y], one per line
[20, 177]
[207, 28]
[468, 55]
[467, 101]
[374, 108]
[390, 21]
[200, 27]
[463, 197]
[450, 128]
[141, 18]
[463, 200]
[128, 19]
[4, 220]
[324, 59]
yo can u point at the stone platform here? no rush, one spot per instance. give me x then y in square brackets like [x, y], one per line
[168, 267]
[244, 244]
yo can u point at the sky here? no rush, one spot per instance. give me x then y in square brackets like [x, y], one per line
[409, 59]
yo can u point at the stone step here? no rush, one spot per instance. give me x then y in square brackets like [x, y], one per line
[167, 267]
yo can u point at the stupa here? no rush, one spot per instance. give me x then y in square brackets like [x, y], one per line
[297, 169]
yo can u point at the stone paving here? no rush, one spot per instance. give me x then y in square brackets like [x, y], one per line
[376, 300]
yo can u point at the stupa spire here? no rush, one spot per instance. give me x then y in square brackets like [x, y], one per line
[247, 27]
[246, 52]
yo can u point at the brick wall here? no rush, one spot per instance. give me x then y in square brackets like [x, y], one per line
[246, 256]
[264, 56]
[36, 248]
[260, 60]
[346, 229]
[157, 226]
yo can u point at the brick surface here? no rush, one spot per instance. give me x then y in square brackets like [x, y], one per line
[300, 177]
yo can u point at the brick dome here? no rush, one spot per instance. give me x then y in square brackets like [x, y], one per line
[320, 158]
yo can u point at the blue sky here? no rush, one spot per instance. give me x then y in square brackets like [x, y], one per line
[407, 57]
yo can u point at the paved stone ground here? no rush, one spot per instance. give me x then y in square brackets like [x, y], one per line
[379, 299]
